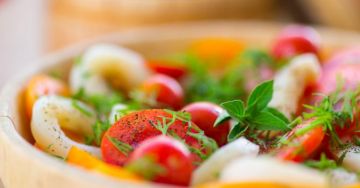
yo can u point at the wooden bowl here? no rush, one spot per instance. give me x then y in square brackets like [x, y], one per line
[22, 165]
[344, 14]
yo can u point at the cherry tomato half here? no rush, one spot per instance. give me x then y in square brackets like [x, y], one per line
[302, 147]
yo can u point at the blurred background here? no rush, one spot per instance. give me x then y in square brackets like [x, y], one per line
[31, 29]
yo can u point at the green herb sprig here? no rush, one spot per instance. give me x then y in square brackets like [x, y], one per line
[146, 167]
[323, 164]
[334, 110]
[121, 146]
[255, 116]
[207, 145]
[102, 105]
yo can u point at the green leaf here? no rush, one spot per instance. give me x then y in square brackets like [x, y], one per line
[278, 114]
[267, 121]
[224, 116]
[235, 109]
[260, 97]
[237, 131]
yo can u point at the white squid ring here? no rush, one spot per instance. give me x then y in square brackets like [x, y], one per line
[291, 81]
[122, 68]
[50, 114]
[352, 158]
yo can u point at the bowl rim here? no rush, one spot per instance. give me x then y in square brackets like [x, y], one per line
[8, 133]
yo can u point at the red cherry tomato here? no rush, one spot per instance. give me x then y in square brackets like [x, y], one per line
[166, 90]
[294, 40]
[135, 127]
[302, 147]
[288, 47]
[167, 161]
[167, 68]
[307, 32]
[204, 114]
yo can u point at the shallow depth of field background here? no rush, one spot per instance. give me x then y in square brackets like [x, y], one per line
[31, 29]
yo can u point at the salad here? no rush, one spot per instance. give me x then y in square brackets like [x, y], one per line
[218, 114]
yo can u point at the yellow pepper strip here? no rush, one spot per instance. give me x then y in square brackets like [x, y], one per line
[254, 185]
[85, 160]
[222, 49]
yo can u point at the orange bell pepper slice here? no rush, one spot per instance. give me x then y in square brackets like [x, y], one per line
[220, 49]
[85, 160]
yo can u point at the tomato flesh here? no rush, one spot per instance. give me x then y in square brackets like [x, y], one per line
[302, 147]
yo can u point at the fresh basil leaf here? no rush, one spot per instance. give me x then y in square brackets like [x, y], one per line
[260, 97]
[237, 131]
[235, 109]
[267, 121]
[278, 114]
[224, 116]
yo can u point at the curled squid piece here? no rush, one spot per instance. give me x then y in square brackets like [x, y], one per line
[351, 159]
[263, 169]
[208, 171]
[106, 66]
[341, 177]
[51, 114]
[291, 82]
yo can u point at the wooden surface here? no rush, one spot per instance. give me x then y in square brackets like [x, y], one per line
[75, 20]
[344, 14]
[21, 165]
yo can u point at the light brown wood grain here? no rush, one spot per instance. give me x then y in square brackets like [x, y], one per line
[22, 165]
[344, 14]
[76, 20]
